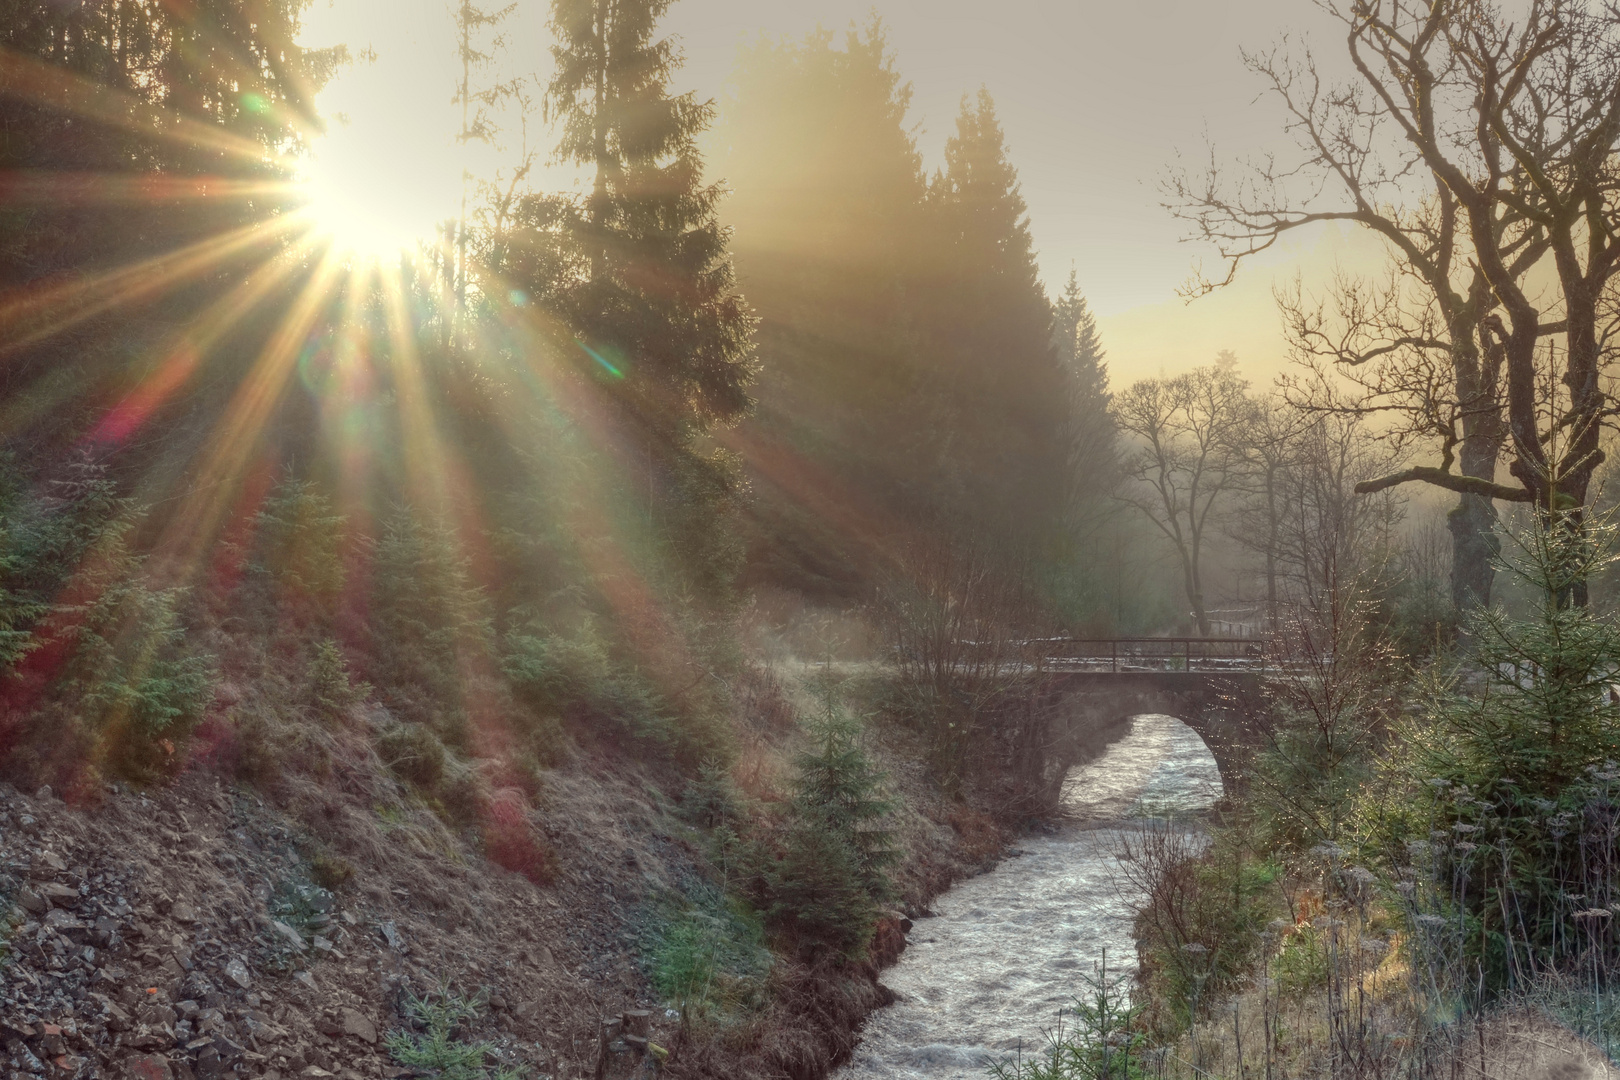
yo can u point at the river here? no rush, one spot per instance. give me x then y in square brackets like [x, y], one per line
[1005, 950]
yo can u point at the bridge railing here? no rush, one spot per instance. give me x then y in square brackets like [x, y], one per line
[1154, 653]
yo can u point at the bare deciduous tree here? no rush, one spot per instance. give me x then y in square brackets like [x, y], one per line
[1479, 147]
[1186, 461]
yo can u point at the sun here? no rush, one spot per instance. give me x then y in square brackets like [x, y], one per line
[367, 200]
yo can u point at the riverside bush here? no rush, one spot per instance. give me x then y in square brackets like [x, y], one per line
[1100, 1038]
[1504, 796]
[1200, 921]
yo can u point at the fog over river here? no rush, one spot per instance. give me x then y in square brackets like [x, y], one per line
[1007, 948]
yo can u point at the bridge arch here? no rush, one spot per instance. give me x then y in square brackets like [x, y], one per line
[1219, 707]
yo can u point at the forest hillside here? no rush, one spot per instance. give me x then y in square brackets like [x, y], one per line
[584, 635]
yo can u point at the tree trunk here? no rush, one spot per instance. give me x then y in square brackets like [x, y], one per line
[1195, 590]
[1474, 544]
[599, 189]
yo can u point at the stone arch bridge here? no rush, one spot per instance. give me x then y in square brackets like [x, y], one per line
[1213, 685]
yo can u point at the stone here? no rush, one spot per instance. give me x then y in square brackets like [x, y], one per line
[65, 1066]
[356, 1024]
[59, 920]
[156, 1016]
[148, 1067]
[314, 1072]
[60, 895]
[305, 979]
[237, 972]
[183, 912]
[33, 902]
[209, 1066]
[289, 935]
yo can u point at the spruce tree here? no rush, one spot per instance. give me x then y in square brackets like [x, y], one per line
[652, 299]
[1001, 390]
[1091, 428]
[830, 240]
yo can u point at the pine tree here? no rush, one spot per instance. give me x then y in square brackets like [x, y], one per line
[654, 306]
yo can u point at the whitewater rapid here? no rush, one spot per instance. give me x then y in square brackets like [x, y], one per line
[1006, 950]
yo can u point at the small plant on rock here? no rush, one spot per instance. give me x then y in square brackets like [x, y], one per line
[435, 1040]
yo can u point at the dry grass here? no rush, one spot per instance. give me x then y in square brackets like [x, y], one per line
[1374, 1032]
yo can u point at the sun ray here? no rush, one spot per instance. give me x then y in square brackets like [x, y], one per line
[53, 87]
[223, 462]
[63, 304]
[419, 438]
[186, 350]
[55, 188]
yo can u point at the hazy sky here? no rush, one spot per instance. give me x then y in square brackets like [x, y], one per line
[1097, 99]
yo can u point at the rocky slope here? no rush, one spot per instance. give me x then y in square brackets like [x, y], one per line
[198, 931]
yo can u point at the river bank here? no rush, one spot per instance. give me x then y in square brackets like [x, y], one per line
[131, 913]
[1007, 949]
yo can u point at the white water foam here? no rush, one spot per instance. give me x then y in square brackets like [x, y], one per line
[1006, 949]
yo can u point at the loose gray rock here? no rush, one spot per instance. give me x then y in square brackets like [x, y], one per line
[356, 1024]
[291, 936]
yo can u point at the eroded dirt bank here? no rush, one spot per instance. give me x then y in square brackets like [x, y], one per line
[189, 931]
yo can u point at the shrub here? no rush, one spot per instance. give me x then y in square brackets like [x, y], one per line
[818, 893]
[556, 672]
[571, 674]
[711, 800]
[331, 692]
[1099, 1039]
[414, 754]
[427, 621]
[1508, 799]
[954, 620]
[1302, 963]
[293, 567]
[132, 676]
[706, 956]
[113, 673]
[432, 1041]
[841, 791]
[1199, 923]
